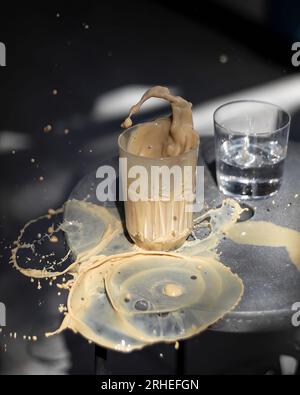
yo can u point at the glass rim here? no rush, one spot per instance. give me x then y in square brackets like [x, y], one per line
[162, 158]
[228, 130]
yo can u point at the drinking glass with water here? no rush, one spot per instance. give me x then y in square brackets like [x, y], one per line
[251, 139]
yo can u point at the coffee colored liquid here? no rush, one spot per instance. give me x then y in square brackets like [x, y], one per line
[158, 224]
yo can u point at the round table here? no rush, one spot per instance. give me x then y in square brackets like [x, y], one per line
[272, 282]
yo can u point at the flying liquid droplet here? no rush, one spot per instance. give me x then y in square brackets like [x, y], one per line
[47, 129]
[127, 123]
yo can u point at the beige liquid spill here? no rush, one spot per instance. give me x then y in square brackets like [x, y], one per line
[173, 290]
[105, 288]
[111, 227]
[267, 234]
[157, 224]
[95, 294]
[92, 314]
[20, 245]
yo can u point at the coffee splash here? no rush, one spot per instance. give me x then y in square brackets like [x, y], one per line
[267, 234]
[91, 310]
[96, 290]
[88, 303]
[164, 137]
[89, 300]
[47, 270]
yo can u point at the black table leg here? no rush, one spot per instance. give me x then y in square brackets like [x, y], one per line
[180, 360]
[100, 360]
